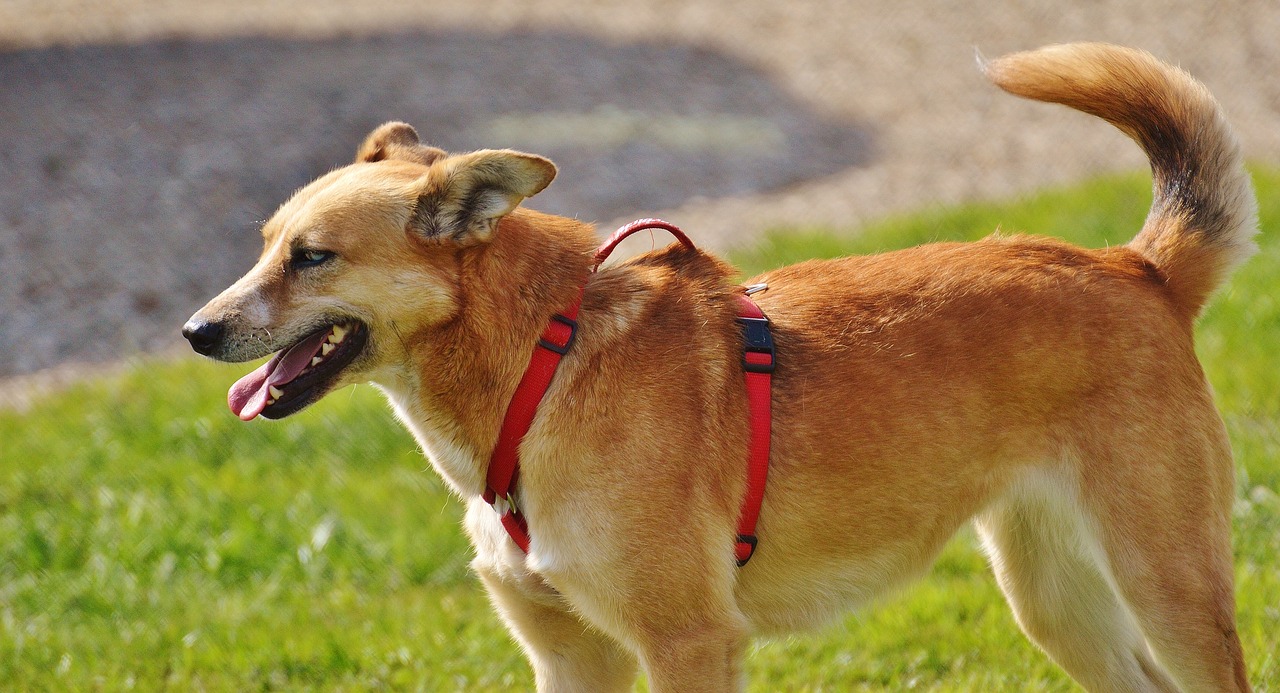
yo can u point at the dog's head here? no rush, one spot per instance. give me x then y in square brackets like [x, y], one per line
[354, 261]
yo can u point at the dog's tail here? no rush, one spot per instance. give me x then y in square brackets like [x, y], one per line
[1204, 213]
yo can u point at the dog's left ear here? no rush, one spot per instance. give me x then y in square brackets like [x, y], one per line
[463, 197]
[397, 141]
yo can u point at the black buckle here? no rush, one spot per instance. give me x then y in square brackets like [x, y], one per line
[758, 339]
[573, 334]
[750, 540]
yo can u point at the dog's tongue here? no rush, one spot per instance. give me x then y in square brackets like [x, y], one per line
[248, 397]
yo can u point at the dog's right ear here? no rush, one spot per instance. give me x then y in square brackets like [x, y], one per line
[463, 197]
[397, 141]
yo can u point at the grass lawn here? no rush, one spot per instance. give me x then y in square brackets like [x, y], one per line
[149, 539]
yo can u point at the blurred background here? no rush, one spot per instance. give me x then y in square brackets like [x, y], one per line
[144, 141]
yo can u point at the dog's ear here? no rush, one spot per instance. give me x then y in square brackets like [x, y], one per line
[397, 141]
[463, 197]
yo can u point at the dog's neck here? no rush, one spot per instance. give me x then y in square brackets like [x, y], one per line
[460, 377]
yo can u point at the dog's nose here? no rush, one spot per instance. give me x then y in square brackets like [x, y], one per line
[204, 336]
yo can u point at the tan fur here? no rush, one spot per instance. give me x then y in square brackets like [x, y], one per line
[1204, 215]
[1049, 391]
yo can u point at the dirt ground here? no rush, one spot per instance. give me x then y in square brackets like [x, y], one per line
[145, 140]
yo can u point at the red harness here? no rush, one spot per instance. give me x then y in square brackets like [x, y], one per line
[557, 339]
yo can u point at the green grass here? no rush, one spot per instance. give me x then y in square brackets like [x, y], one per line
[149, 539]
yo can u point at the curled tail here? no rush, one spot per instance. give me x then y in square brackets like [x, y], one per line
[1204, 214]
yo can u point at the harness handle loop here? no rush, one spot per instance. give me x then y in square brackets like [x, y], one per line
[638, 225]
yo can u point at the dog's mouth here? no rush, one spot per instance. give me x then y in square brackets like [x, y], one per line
[300, 374]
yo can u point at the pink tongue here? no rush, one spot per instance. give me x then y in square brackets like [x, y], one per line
[248, 397]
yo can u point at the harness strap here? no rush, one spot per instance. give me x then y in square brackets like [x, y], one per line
[757, 362]
[504, 464]
[558, 338]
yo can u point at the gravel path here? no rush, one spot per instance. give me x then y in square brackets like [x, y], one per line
[145, 140]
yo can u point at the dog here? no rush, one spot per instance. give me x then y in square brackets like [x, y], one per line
[1049, 393]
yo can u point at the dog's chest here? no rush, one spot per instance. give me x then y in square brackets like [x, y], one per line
[457, 464]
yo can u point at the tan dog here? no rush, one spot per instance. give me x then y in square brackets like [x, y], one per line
[1048, 392]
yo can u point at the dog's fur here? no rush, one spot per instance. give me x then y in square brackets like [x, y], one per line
[1048, 392]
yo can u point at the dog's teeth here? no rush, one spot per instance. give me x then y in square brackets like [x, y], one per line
[326, 348]
[337, 334]
[315, 360]
[275, 392]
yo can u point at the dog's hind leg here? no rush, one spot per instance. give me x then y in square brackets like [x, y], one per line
[1047, 563]
[1164, 521]
[567, 655]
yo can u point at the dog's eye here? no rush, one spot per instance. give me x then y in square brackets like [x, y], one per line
[306, 257]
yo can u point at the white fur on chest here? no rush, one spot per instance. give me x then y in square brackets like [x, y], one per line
[457, 463]
[461, 467]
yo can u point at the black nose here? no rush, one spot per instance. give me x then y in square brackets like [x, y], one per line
[204, 336]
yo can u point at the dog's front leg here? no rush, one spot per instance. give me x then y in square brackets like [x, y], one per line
[567, 654]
